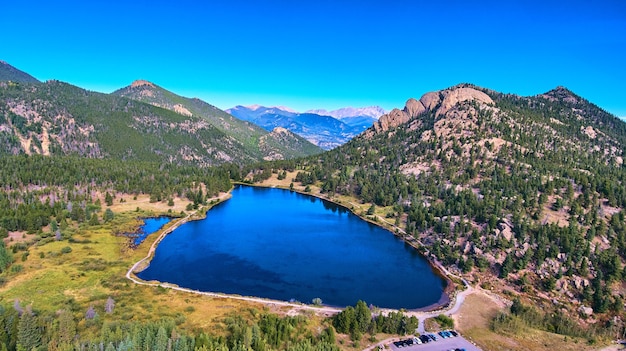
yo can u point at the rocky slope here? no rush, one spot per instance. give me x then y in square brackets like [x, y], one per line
[522, 193]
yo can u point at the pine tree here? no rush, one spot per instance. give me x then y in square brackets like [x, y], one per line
[67, 327]
[108, 199]
[28, 332]
[363, 316]
[160, 342]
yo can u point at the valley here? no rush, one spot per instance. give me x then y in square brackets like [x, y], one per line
[522, 197]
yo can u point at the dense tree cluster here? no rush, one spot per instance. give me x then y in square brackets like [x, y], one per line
[37, 190]
[26, 329]
[358, 320]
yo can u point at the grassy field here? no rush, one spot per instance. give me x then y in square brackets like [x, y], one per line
[474, 318]
[88, 269]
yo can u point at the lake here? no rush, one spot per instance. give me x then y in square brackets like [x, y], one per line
[282, 245]
[150, 226]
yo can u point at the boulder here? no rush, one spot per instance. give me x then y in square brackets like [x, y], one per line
[414, 108]
[430, 100]
[587, 311]
[393, 119]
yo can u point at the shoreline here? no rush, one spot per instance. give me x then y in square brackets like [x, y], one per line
[447, 298]
[447, 301]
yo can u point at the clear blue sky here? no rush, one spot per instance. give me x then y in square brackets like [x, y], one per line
[323, 54]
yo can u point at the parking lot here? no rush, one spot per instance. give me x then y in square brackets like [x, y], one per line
[441, 344]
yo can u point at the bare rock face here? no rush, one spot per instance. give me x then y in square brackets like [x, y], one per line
[414, 108]
[139, 83]
[430, 100]
[393, 119]
[462, 94]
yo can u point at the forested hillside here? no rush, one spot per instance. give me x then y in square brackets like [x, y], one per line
[37, 190]
[56, 118]
[527, 189]
[255, 140]
[10, 73]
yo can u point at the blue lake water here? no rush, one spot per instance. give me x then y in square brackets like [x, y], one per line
[150, 226]
[283, 245]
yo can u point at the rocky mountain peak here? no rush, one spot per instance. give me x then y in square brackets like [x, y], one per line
[141, 83]
[562, 93]
[442, 102]
[455, 96]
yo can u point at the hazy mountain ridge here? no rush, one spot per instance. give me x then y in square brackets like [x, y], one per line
[324, 131]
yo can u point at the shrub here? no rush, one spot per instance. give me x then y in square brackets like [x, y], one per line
[445, 321]
[66, 250]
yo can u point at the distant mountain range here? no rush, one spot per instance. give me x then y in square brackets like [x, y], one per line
[140, 122]
[323, 128]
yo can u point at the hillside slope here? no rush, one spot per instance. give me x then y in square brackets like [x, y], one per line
[56, 118]
[249, 135]
[524, 193]
[10, 73]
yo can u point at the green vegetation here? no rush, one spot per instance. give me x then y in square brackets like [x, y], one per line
[530, 190]
[526, 188]
[10, 73]
[444, 321]
[25, 329]
[522, 317]
[95, 125]
[358, 320]
[67, 188]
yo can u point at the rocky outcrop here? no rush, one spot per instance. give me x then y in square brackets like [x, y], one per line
[414, 108]
[139, 83]
[456, 96]
[430, 100]
[392, 119]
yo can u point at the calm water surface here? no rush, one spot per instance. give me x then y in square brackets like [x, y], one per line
[150, 225]
[282, 245]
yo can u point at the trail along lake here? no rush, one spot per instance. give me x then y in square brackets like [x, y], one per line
[281, 245]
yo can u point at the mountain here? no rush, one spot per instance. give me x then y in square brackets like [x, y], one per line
[325, 131]
[56, 118]
[372, 111]
[523, 194]
[362, 117]
[249, 135]
[10, 73]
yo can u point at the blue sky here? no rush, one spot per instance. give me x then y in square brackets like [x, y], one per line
[323, 54]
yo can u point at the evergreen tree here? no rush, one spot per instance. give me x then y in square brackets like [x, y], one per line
[363, 316]
[160, 342]
[28, 332]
